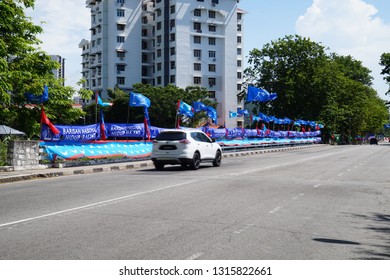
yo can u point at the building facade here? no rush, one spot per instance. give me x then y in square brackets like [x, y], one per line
[60, 72]
[161, 42]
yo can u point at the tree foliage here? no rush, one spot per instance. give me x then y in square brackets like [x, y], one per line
[24, 68]
[385, 62]
[314, 85]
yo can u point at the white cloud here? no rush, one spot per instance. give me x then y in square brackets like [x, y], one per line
[65, 24]
[349, 27]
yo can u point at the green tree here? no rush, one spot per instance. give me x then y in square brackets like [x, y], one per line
[312, 85]
[24, 68]
[385, 62]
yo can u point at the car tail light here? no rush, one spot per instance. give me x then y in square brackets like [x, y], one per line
[184, 141]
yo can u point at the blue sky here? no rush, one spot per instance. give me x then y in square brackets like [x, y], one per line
[360, 28]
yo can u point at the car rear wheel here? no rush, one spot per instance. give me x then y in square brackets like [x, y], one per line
[195, 161]
[159, 165]
[218, 158]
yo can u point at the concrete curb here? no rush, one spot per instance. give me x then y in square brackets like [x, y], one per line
[14, 176]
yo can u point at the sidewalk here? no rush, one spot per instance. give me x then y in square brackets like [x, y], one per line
[14, 176]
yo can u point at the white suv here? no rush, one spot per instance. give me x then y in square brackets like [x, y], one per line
[185, 147]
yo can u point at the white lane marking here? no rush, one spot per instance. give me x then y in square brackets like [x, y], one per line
[96, 204]
[283, 164]
[340, 174]
[349, 170]
[195, 256]
[298, 196]
[275, 210]
[316, 186]
[248, 226]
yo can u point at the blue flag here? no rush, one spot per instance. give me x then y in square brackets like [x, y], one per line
[241, 112]
[100, 101]
[257, 94]
[212, 113]
[232, 114]
[37, 99]
[185, 109]
[138, 100]
[199, 106]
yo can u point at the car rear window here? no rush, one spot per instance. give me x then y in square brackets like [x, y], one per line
[171, 136]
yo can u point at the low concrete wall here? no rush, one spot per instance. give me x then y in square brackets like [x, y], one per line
[23, 154]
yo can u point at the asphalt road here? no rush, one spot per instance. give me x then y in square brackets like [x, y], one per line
[325, 202]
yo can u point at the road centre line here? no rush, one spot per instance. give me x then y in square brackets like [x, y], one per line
[92, 205]
[283, 164]
[194, 256]
[96, 204]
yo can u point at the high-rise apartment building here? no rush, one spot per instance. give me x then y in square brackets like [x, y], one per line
[161, 42]
[60, 72]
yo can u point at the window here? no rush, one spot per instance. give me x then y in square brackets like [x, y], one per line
[172, 37]
[173, 51]
[120, 39]
[159, 66]
[212, 28]
[200, 0]
[197, 40]
[238, 63]
[239, 51]
[172, 79]
[120, 80]
[158, 40]
[120, 13]
[239, 87]
[212, 67]
[198, 27]
[197, 80]
[120, 67]
[239, 75]
[238, 39]
[198, 53]
[159, 25]
[172, 23]
[238, 27]
[120, 54]
[212, 94]
[212, 41]
[159, 53]
[158, 12]
[173, 9]
[159, 80]
[120, 1]
[198, 12]
[212, 54]
[197, 67]
[173, 64]
[120, 27]
[212, 82]
[214, 1]
[211, 14]
[239, 16]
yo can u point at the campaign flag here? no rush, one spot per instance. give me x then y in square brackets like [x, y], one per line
[185, 109]
[138, 100]
[273, 96]
[199, 106]
[46, 121]
[257, 94]
[232, 114]
[99, 101]
[38, 99]
[241, 112]
[146, 123]
[102, 126]
[212, 113]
